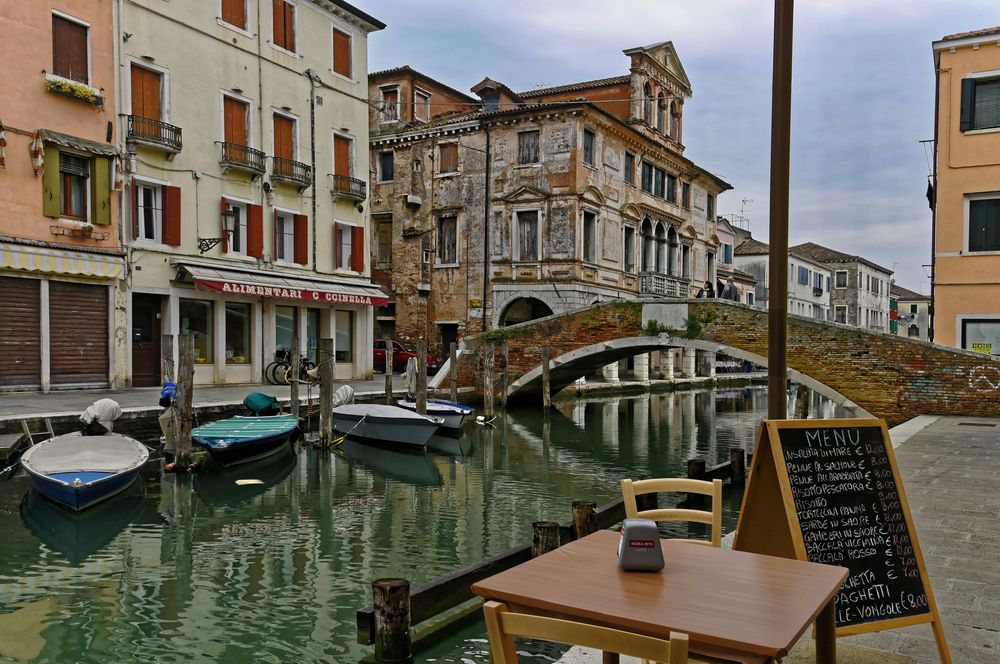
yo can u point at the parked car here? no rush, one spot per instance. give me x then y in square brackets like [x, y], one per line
[400, 355]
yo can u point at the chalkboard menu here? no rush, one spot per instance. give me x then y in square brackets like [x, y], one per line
[850, 514]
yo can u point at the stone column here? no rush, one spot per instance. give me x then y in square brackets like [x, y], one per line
[688, 363]
[610, 372]
[642, 367]
[667, 364]
[707, 361]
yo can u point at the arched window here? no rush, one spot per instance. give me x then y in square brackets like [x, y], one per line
[913, 331]
[661, 113]
[675, 121]
[661, 248]
[647, 104]
[648, 245]
[671, 251]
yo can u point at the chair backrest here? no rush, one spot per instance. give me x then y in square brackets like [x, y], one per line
[632, 489]
[503, 625]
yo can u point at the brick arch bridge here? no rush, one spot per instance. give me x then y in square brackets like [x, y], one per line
[892, 377]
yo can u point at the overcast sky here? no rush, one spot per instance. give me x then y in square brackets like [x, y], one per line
[862, 98]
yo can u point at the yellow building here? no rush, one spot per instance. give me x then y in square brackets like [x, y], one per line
[246, 132]
[966, 277]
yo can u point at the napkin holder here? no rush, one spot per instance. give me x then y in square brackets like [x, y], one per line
[639, 546]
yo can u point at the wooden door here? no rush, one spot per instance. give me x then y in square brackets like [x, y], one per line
[341, 155]
[145, 340]
[20, 323]
[78, 334]
[146, 86]
[235, 113]
[284, 137]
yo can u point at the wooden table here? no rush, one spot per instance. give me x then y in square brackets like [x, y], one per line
[727, 602]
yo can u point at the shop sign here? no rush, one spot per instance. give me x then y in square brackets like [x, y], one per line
[285, 293]
[983, 348]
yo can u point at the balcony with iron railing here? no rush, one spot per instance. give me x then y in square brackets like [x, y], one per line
[242, 158]
[289, 170]
[350, 188]
[654, 283]
[153, 133]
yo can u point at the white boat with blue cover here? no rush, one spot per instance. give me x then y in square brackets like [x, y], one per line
[79, 471]
[453, 415]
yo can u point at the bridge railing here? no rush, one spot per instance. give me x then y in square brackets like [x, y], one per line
[652, 283]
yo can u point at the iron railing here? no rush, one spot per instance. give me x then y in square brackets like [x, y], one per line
[291, 171]
[154, 132]
[243, 157]
[348, 187]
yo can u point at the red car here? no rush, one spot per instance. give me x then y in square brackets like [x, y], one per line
[400, 354]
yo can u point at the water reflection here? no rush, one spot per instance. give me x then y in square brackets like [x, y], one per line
[210, 571]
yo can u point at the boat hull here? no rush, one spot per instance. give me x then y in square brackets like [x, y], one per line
[81, 497]
[453, 416]
[238, 440]
[408, 432]
[246, 451]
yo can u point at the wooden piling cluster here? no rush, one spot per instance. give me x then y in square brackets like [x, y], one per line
[733, 470]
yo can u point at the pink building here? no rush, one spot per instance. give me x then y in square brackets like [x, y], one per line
[60, 257]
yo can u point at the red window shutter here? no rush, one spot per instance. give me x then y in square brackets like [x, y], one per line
[301, 239]
[222, 222]
[172, 216]
[255, 231]
[289, 26]
[341, 53]
[135, 209]
[358, 248]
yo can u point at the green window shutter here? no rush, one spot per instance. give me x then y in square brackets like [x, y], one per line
[100, 192]
[51, 200]
[968, 100]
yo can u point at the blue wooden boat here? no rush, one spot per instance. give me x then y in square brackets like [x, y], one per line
[242, 439]
[79, 471]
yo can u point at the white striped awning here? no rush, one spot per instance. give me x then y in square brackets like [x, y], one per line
[47, 260]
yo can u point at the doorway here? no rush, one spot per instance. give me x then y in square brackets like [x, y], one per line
[449, 334]
[146, 311]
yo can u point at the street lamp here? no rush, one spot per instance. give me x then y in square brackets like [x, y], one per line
[228, 226]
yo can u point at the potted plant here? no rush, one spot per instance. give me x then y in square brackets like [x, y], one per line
[74, 90]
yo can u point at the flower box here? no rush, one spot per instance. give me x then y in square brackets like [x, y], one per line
[74, 90]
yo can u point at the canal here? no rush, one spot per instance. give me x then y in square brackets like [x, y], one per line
[204, 569]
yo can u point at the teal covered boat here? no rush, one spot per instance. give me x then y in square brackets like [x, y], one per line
[242, 439]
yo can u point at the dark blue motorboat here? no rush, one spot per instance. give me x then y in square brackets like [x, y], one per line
[79, 471]
[242, 439]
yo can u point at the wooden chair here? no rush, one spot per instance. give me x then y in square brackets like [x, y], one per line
[503, 625]
[632, 489]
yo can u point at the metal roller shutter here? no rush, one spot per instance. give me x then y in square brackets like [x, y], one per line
[20, 340]
[78, 334]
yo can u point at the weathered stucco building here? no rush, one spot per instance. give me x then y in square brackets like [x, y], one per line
[571, 194]
[860, 290]
[912, 312]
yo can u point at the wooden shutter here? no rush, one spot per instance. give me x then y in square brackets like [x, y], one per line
[274, 235]
[172, 216]
[336, 246]
[69, 50]
[342, 53]
[358, 248]
[341, 155]
[234, 12]
[51, 183]
[222, 224]
[283, 34]
[255, 231]
[968, 100]
[301, 239]
[449, 158]
[20, 337]
[100, 191]
[284, 136]
[78, 333]
[235, 115]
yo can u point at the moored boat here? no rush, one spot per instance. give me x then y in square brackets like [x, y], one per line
[453, 415]
[388, 424]
[79, 471]
[242, 439]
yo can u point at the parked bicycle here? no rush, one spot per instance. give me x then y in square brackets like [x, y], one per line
[278, 372]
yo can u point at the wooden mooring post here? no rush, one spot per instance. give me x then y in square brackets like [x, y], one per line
[391, 599]
[185, 406]
[293, 372]
[544, 537]
[504, 373]
[696, 469]
[738, 462]
[453, 371]
[422, 376]
[584, 518]
[489, 360]
[168, 374]
[546, 385]
[388, 373]
[327, 366]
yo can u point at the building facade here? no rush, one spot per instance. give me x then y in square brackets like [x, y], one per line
[572, 195]
[60, 257]
[912, 312]
[809, 281]
[860, 290]
[729, 239]
[246, 188]
[966, 245]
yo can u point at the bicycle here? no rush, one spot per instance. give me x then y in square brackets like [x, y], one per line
[277, 372]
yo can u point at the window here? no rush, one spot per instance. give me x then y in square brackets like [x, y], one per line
[284, 236]
[588, 147]
[803, 276]
[70, 57]
[146, 87]
[727, 254]
[149, 211]
[447, 240]
[235, 113]
[589, 236]
[283, 35]
[389, 111]
[386, 166]
[980, 104]
[629, 168]
[341, 53]
[984, 224]
[659, 182]
[196, 320]
[526, 235]
[449, 158]
[671, 188]
[710, 207]
[283, 128]
[647, 104]
[750, 298]
[647, 177]
[630, 249]
[981, 336]
[383, 230]
[344, 336]
[237, 333]
[661, 114]
[913, 308]
[342, 150]
[913, 331]
[74, 173]
[817, 281]
[840, 279]
[237, 241]
[349, 249]
[686, 195]
[234, 12]
[875, 285]
[527, 147]
[828, 284]
[421, 105]
[686, 261]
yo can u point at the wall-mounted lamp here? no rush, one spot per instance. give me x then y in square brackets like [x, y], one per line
[228, 226]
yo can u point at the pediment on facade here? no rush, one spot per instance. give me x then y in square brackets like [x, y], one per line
[713, 240]
[687, 230]
[592, 194]
[659, 214]
[630, 211]
[525, 195]
[664, 55]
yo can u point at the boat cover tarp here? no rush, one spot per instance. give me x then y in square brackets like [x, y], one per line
[377, 410]
[105, 411]
[90, 454]
[343, 395]
[259, 403]
[246, 428]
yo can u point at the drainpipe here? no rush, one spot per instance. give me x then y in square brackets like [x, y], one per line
[310, 74]
[486, 233]
[934, 195]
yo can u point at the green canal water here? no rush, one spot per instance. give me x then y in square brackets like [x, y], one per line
[204, 570]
